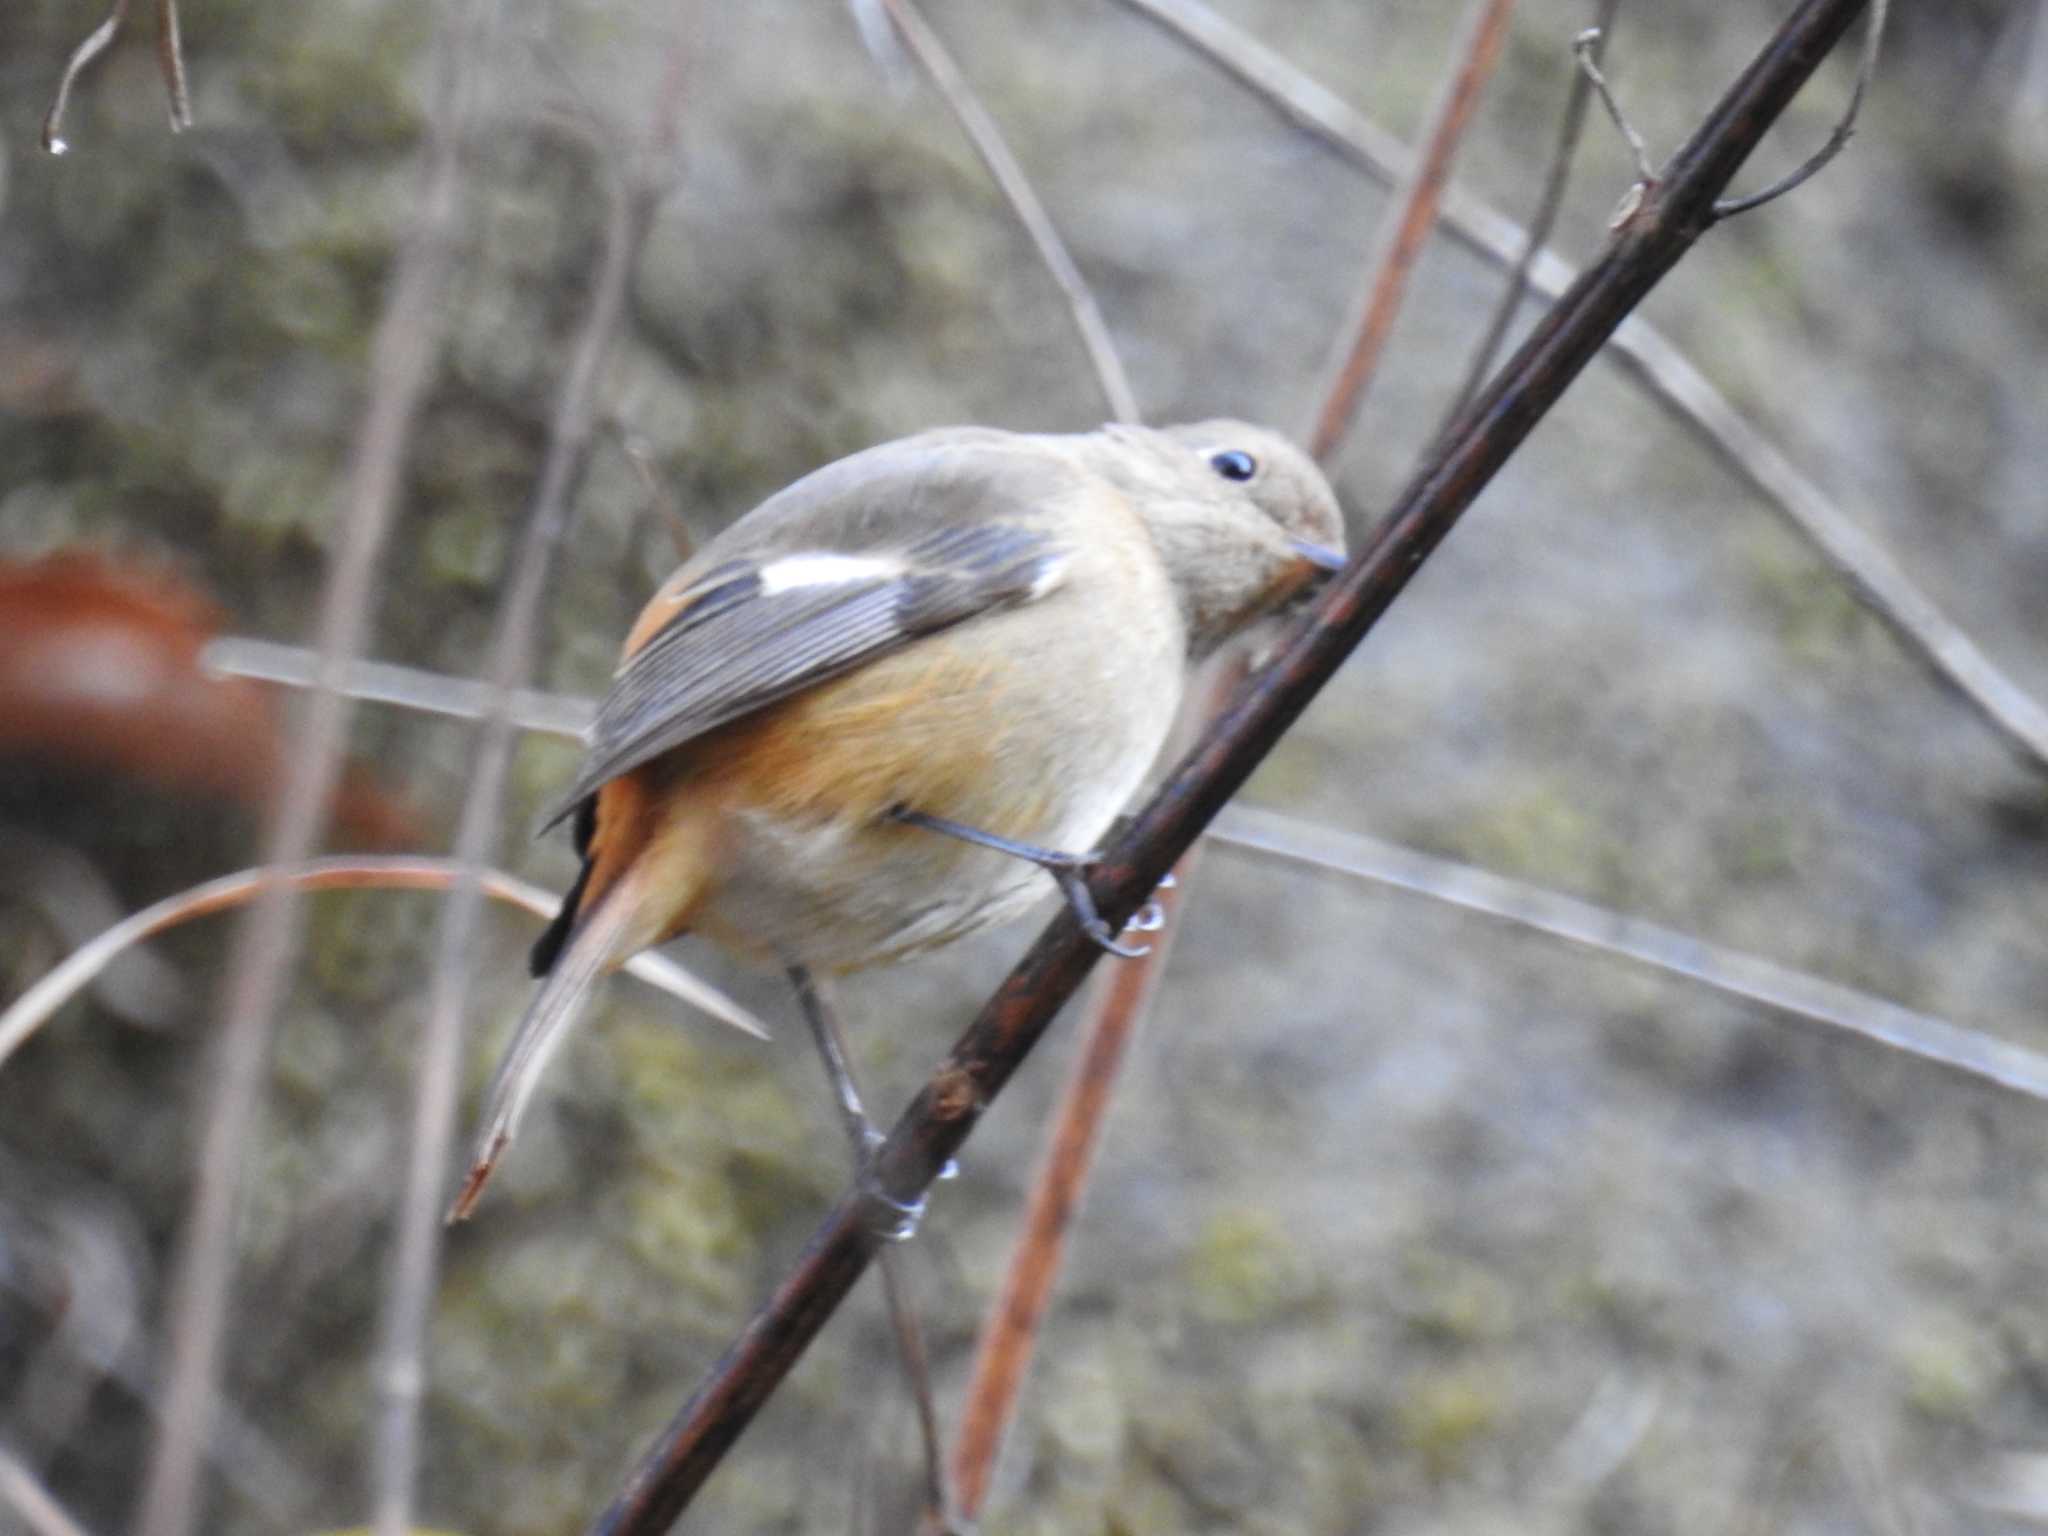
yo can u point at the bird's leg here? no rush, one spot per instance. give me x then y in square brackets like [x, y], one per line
[901, 1221]
[898, 1223]
[1067, 869]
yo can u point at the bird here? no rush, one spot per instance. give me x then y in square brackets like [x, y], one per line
[872, 715]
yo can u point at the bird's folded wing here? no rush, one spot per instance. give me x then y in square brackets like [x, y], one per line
[754, 630]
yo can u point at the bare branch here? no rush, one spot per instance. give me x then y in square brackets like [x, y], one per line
[1656, 364]
[401, 1372]
[989, 143]
[384, 872]
[954, 1097]
[96, 43]
[402, 352]
[1403, 236]
[1844, 130]
[1547, 205]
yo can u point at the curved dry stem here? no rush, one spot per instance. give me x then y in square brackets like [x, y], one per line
[989, 143]
[390, 872]
[1844, 130]
[1654, 362]
[96, 43]
[1403, 236]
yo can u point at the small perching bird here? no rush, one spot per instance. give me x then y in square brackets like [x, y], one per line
[860, 722]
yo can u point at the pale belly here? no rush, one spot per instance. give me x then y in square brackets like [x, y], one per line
[838, 894]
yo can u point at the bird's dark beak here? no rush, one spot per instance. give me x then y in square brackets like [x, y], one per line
[1328, 561]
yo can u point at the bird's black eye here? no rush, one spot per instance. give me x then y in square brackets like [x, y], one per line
[1234, 464]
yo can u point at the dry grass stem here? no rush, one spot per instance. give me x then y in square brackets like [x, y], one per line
[170, 62]
[384, 872]
[1274, 835]
[30, 1502]
[989, 143]
[1403, 235]
[1655, 363]
[401, 1372]
[405, 343]
[1729, 971]
[1555, 178]
[380, 682]
[1586, 48]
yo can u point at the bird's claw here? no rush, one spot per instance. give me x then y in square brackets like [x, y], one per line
[1083, 902]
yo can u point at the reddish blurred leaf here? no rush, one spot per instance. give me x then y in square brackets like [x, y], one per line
[99, 670]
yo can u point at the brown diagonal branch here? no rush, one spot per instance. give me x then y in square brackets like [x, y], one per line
[938, 1121]
[1404, 234]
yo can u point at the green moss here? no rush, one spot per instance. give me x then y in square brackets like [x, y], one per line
[1453, 1302]
[1247, 1265]
[1944, 1370]
[1443, 1416]
[1545, 832]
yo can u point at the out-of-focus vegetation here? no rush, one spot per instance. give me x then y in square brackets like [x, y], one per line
[1407, 1220]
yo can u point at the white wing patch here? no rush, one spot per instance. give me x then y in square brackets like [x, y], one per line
[794, 571]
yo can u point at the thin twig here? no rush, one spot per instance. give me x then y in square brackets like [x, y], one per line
[402, 352]
[1009, 1332]
[1837, 141]
[1555, 179]
[1108, 1025]
[170, 63]
[401, 1372]
[359, 872]
[96, 43]
[1683, 955]
[1655, 364]
[1586, 49]
[1403, 235]
[989, 143]
[953, 1099]
[830, 1039]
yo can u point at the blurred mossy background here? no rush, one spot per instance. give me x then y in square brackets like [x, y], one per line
[1407, 1221]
